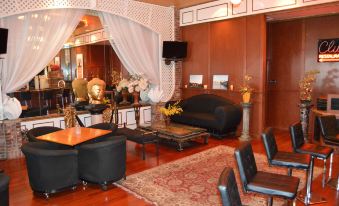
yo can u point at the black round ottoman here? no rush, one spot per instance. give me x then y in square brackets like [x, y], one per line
[4, 195]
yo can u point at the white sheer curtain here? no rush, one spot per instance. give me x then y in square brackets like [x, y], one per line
[33, 40]
[136, 46]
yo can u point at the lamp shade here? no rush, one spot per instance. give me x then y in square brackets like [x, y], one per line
[235, 1]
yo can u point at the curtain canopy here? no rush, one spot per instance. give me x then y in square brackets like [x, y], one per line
[34, 39]
[136, 46]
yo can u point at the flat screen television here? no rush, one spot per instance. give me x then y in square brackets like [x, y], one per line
[174, 50]
[3, 40]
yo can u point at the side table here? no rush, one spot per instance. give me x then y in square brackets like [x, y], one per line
[245, 134]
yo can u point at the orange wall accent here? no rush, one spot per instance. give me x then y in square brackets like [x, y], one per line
[235, 47]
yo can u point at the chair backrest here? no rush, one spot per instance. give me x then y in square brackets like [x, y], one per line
[269, 143]
[228, 188]
[328, 126]
[297, 137]
[39, 131]
[246, 163]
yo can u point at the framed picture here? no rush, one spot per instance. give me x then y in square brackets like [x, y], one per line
[220, 82]
[196, 81]
[80, 66]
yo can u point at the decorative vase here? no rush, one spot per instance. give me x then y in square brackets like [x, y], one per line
[246, 97]
[305, 108]
[136, 96]
[124, 93]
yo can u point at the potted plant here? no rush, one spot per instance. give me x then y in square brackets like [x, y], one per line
[136, 84]
[123, 88]
[306, 88]
[246, 90]
[171, 110]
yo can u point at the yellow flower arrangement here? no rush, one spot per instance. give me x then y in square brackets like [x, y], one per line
[246, 87]
[171, 109]
[306, 85]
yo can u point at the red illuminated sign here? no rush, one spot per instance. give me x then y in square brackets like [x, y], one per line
[328, 50]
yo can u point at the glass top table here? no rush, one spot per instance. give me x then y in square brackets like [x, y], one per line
[178, 133]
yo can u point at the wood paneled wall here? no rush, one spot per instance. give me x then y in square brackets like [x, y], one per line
[235, 47]
[293, 50]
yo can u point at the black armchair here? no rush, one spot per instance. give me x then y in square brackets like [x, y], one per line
[315, 150]
[228, 188]
[39, 131]
[4, 194]
[50, 167]
[103, 162]
[263, 182]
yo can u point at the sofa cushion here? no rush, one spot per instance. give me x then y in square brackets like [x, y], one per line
[197, 119]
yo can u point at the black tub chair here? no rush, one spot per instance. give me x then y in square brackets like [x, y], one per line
[4, 194]
[263, 182]
[39, 131]
[103, 162]
[51, 167]
[228, 188]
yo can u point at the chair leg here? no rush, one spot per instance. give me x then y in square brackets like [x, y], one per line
[269, 201]
[157, 147]
[143, 152]
[324, 174]
[289, 171]
[330, 169]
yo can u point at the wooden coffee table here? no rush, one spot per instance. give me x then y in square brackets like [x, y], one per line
[178, 133]
[73, 136]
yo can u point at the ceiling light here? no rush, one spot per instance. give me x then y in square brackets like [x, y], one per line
[235, 2]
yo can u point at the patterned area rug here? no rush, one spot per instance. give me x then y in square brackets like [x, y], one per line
[193, 180]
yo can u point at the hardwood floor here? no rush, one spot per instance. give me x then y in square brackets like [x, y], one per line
[21, 193]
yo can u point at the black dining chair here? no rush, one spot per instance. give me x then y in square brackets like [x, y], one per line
[227, 186]
[330, 133]
[315, 150]
[4, 192]
[275, 157]
[270, 184]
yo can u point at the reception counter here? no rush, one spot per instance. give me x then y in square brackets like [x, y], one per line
[126, 115]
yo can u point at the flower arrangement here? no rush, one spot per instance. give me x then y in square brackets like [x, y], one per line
[306, 85]
[123, 85]
[135, 83]
[246, 87]
[171, 109]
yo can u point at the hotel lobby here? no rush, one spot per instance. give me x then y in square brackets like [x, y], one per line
[169, 102]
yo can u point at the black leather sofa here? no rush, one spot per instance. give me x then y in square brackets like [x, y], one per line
[4, 194]
[214, 113]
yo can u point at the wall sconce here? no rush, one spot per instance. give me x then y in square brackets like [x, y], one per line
[205, 86]
[236, 2]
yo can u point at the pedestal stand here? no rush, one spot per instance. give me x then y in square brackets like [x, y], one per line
[305, 108]
[245, 135]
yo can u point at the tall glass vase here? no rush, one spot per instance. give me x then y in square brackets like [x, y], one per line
[305, 108]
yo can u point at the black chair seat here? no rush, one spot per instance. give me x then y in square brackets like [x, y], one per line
[4, 195]
[274, 184]
[315, 150]
[136, 135]
[288, 159]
